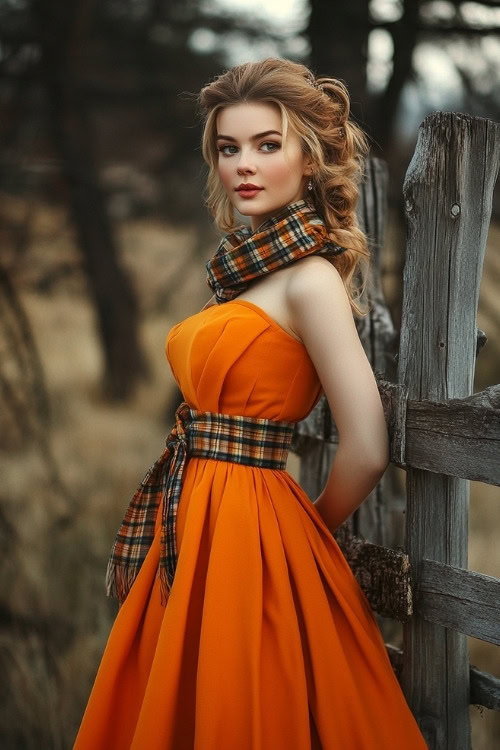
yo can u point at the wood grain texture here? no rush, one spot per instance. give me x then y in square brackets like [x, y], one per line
[484, 687]
[377, 335]
[383, 574]
[448, 193]
[460, 437]
[459, 599]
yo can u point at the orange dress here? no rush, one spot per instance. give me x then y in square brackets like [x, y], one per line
[266, 641]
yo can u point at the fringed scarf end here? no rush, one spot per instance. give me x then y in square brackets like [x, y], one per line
[165, 585]
[119, 580]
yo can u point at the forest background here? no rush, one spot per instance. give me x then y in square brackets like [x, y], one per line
[104, 239]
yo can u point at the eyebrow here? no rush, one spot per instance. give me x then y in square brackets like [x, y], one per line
[253, 137]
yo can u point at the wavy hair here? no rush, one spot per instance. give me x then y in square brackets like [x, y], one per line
[317, 109]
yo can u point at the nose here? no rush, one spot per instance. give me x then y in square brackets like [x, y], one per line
[245, 164]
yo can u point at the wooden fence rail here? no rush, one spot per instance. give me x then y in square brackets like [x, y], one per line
[441, 433]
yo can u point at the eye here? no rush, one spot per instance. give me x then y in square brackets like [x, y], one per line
[229, 149]
[274, 146]
[222, 149]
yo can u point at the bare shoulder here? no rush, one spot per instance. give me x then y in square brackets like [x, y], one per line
[316, 286]
[321, 313]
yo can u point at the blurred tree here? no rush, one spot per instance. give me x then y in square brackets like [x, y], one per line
[65, 66]
[62, 32]
[338, 34]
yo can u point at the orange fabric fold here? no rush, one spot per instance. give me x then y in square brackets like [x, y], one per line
[266, 641]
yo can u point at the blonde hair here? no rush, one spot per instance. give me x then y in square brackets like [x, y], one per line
[318, 111]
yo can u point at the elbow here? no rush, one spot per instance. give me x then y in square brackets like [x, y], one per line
[374, 459]
[374, 471]
[381, 451]
[381, 460]
[379, 467]
[380, 457]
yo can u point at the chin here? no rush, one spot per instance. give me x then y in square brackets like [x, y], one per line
[255, 211]
[247, 211]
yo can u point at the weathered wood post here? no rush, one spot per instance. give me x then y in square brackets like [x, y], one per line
[379, 338]
[447, 192]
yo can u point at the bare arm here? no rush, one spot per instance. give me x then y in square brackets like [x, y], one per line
[322, 317]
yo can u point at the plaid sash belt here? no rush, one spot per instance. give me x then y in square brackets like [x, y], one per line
[244, 440]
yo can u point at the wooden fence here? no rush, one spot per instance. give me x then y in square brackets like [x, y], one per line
[442, 434]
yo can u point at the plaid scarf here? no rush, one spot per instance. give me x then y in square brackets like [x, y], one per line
[244, 440]
[292, 233]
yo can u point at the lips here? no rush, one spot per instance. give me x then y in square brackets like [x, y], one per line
[247, 186]
[248, 190]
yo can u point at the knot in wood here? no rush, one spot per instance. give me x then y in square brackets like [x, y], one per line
[455, 210]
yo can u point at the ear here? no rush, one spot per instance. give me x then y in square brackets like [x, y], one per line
[308, 166]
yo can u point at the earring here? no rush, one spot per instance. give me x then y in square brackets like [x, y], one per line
[310, 185]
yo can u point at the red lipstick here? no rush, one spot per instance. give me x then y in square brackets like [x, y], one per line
[248, 190]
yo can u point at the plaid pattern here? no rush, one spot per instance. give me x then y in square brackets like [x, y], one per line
[223, 437]
[293, 232]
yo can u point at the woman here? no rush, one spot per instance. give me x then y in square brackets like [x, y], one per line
[241, 625]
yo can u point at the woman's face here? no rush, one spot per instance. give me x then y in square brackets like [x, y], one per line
[252, 153]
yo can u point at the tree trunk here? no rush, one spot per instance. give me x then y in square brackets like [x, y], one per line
[72, 138]
[404, 37]
[338, 34]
